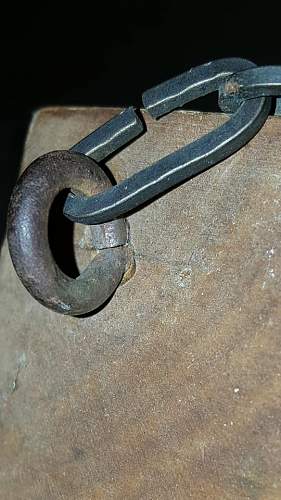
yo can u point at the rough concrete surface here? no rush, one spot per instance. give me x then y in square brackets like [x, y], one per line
[173, 389]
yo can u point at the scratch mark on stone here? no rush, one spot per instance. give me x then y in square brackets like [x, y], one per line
[270, 273]
[21, 364]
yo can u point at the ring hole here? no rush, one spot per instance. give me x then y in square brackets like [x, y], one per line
[61, 237]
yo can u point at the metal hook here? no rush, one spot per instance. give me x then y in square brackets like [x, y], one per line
[188, 161]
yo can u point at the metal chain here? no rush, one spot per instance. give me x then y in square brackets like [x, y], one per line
[243, 89]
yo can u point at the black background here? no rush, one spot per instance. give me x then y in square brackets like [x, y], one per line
[108, 54]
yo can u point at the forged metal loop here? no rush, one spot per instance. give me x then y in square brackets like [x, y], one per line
[188, 161]
[195, 83]
[28, 235]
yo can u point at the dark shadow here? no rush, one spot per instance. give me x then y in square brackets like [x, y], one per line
[99, 309]
[206, 103]
[61, 235]
[13, 131]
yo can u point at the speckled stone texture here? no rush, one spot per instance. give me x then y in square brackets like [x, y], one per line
[173, 389]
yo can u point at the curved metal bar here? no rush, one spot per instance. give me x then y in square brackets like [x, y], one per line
[188, 161]
[250, 84]
[111, 136]
[195, 83]
[28, 235]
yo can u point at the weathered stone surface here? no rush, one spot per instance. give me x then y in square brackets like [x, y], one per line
[173, 390]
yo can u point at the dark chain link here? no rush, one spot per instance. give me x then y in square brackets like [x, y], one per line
[244, 90]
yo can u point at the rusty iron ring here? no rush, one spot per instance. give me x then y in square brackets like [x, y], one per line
[28, 240]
